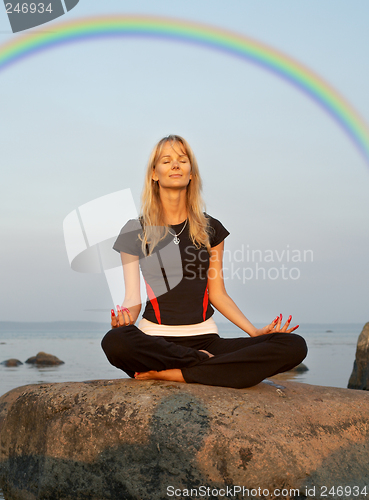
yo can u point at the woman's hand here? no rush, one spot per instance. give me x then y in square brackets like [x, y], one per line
[275, 327]
[122, 318]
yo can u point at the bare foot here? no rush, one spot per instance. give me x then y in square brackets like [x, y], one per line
[208, 353]
[174, 375]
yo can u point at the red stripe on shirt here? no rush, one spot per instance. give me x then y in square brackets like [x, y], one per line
[205, 303]
[154, 302]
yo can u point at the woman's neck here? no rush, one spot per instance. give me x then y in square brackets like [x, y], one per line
[174, 206]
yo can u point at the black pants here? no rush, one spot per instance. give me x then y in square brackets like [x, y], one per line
[240, 362]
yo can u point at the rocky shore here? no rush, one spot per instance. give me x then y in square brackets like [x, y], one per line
[125, 439]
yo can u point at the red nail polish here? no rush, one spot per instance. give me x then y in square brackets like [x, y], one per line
[118, 308]
[280, 317]
[112, 312]
[289, 318]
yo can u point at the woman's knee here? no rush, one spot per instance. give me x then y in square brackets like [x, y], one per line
[298, 347]
[117, 340]
[294, 346]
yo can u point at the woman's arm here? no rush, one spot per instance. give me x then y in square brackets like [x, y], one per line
[132, 297]
[220, 299]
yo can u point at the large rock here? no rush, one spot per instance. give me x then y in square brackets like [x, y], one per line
[359, 378]
[44, 359]
[129, 439]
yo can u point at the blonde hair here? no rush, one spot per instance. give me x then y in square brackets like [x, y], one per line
[152, 215]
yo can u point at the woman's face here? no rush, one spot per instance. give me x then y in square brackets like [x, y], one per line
[173, 168]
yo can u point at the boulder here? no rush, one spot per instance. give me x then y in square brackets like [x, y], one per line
[11, 362]
[44, 359]
[152, 440]
[291, 374]
[359, 378]
[301, 368]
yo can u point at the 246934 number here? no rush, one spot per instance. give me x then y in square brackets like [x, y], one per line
[343, 491]
[25, 7]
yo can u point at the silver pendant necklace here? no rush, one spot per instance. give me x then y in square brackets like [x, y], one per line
[176, 240]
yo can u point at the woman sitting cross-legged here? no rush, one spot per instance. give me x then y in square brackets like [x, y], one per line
[180, 251]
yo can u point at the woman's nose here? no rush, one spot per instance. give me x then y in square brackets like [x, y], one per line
[175, 164]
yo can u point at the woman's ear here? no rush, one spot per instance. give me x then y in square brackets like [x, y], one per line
[154, 176]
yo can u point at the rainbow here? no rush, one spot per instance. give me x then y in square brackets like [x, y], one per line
[227, 42]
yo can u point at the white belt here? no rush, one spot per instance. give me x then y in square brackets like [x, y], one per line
[208, 326]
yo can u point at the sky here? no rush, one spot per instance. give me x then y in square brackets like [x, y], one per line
[78, 122]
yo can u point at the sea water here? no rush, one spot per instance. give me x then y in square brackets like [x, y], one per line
[330, 358]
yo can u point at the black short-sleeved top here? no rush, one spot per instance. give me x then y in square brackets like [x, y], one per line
[175, 275]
